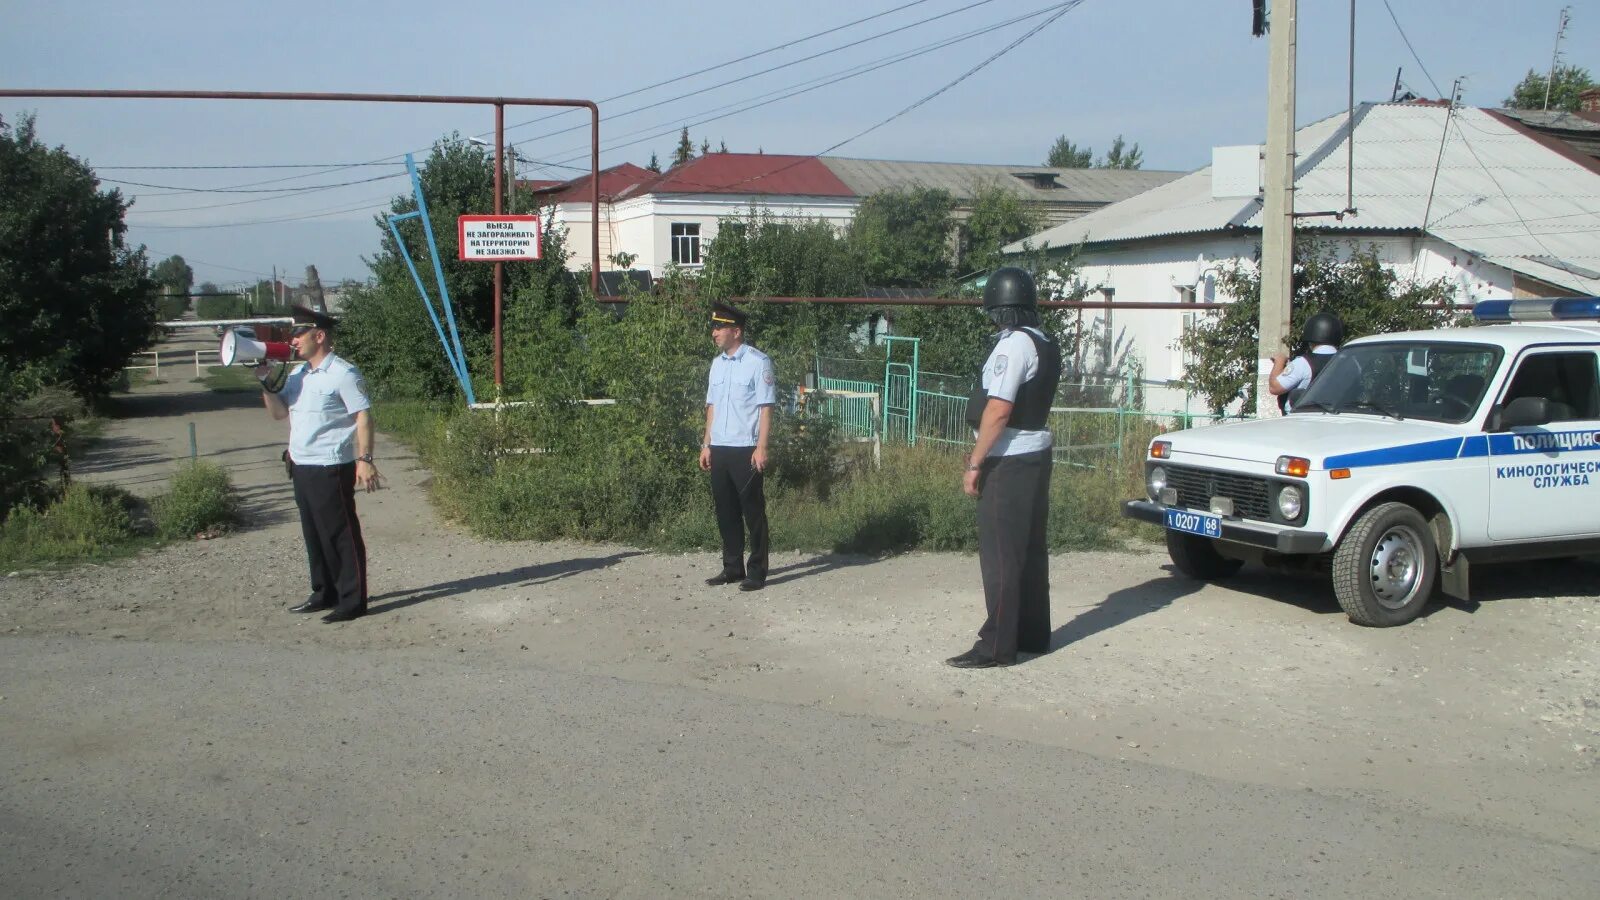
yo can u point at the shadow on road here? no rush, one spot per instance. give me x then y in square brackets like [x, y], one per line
[815, 566]
[185, 403]
[1122, 606]
[526, 575]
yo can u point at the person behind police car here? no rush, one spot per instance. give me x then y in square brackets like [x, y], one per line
[1322, 335]
[1008, 471]
[739, 398]
[330, 452]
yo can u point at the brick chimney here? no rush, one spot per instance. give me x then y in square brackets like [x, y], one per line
[1589, 100]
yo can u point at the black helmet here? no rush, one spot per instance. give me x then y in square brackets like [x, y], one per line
[1323, 328]
[1009, 287]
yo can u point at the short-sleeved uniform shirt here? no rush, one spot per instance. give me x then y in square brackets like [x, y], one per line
[1014, 361]
[323, 402]
[1297, 374]
[739, 385]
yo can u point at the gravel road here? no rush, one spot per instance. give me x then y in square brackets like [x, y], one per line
[1470, 723]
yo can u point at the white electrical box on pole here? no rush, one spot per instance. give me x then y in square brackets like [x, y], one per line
[1277, 214]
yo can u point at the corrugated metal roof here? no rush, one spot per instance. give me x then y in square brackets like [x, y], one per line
[747, 173]
[1034, 183]
[1500, 194]
[612, 182]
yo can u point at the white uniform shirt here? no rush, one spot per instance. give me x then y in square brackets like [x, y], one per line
[323, 403]
[1297, 374]
[739, 385]
[1014, 361]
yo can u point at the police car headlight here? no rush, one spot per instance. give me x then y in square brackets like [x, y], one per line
[1290, 501]
[1156, 482]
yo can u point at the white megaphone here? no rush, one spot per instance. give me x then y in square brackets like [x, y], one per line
[247, 351]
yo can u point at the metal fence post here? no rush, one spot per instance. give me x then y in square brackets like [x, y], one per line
[194, 448]
[158, 366]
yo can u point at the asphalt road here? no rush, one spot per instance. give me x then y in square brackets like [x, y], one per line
[167, 769]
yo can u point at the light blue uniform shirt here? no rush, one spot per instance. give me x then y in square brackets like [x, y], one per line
[739, 386]
[323, 403]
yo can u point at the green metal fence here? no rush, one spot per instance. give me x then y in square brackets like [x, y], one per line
[930, 407]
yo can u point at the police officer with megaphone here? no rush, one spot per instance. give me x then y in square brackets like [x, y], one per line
[330, 454]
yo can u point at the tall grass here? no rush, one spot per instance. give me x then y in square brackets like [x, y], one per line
[575, 473]
[87, 523]
[200, 501]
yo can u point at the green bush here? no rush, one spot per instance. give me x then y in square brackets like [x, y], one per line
[201, 500]
[87, 522]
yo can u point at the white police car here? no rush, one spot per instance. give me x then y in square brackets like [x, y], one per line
[1411, 457]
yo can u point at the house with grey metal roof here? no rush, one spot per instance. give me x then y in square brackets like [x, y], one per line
[1468, 195]
[665, 218]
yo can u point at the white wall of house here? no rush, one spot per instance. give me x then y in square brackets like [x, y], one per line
[1185, 270]
[642, 226]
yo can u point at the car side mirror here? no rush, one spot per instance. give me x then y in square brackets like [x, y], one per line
[1521, 412]
[1295, 395]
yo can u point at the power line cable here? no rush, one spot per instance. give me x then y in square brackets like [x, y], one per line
[744, 78]
[178, 189]
[389, 159]
[564, 162]
[1065, 8]
[1436, 91]
[770, 97]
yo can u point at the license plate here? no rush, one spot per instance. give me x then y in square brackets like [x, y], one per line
[1203, 524]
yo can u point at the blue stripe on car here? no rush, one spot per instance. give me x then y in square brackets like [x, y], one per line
[1514, 444]
[1427, 451]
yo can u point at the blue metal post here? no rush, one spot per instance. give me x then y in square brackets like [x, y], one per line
[457, 366]
[438, 269]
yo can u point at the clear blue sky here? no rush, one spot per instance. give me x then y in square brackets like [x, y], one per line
[1175, 76]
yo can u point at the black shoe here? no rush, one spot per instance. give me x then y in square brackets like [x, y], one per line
[310, 606]
[341, 616]
[723, 578]
[972, 659]
[750, 584]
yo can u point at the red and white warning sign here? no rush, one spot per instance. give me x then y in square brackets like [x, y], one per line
[498, 238]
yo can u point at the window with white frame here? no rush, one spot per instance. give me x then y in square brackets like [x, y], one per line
[686, 243]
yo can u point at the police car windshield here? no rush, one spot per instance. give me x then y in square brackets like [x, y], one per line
[1435, 381]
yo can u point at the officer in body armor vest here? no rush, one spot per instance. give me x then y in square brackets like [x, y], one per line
[1320, 340]
[1009, 472]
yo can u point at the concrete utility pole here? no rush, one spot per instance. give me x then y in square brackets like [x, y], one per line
[1277, 214]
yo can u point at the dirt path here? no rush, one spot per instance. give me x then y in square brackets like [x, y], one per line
[1489, 715]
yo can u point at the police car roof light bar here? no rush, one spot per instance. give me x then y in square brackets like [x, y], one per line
[1542, 310]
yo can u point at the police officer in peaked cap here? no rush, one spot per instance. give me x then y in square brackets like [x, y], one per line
[1008, 471]
[739, 397]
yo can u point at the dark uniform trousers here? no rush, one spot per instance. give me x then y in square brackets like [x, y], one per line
[1013, 521]
[326, 496]
[741, 503]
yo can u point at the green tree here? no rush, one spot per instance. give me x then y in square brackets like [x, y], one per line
[174, 274]
[1064, 154]
[386, 330]
[1121, 156]
[1569, 82]
[999, 217]
[705, 146]
[1370, 298]
[903, 236]
[655, 164]
[76, 303]
[685, 149]
[757, 256]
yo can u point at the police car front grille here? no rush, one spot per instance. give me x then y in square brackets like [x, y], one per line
[1196, 487]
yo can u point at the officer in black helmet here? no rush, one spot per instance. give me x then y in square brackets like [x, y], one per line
[1319, 341]
[1009, 472]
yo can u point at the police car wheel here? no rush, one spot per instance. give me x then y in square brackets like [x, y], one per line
[1385, 568]
[1197, 557]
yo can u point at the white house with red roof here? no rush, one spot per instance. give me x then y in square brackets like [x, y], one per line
[667, 218]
